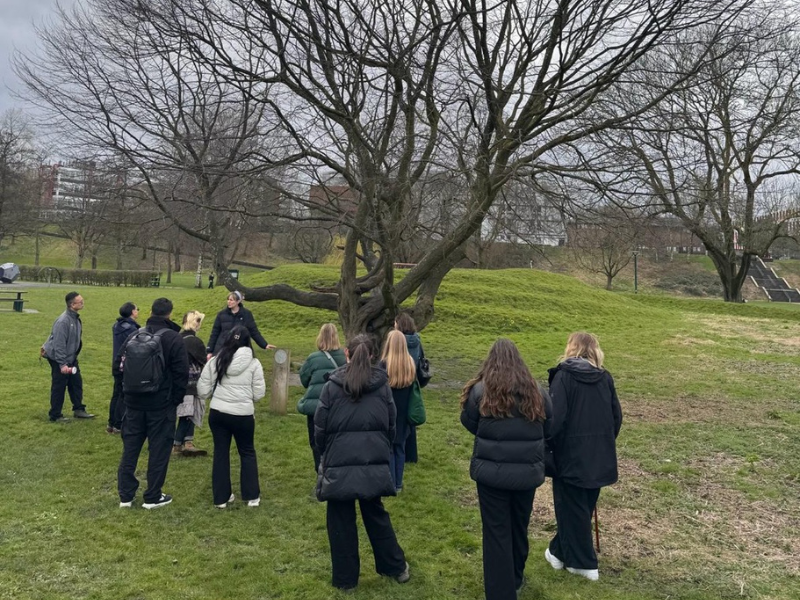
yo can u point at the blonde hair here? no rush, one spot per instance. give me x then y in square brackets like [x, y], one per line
[584, 345]
[328, 338]
[192, 320]
[400, 365]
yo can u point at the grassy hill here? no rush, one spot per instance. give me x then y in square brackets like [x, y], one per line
[706, 506]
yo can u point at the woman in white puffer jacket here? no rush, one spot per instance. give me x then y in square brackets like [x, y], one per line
[234, 380]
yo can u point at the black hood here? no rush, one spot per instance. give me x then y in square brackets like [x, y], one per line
[377, 379]
[156, 323]
[580, 369]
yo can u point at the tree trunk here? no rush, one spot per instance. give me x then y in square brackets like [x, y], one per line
[732, 273]
[169, 262]
[178, 258]
[94, 261]
[36, 251]
[609, 280]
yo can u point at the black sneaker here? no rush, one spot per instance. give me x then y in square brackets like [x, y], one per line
[61, 419]
[82, 414]
[163, 501]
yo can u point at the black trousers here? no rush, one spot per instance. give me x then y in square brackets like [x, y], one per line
[343, 537]
[572, 543]
[412, 455]
[184, 432]
[505, 515]
[116, 409]
[59, 385]
[314, 451]
[242, 429]
[157, 427]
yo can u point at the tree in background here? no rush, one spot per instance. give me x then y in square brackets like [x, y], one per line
[720, 153]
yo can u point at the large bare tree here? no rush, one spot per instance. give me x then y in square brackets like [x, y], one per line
[386, 95]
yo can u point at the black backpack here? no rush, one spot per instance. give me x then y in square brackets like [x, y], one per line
[142, 363]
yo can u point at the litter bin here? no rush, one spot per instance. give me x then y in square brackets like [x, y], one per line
[234, 273]
[155, 281]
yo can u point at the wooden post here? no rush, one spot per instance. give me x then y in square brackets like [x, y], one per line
[280, 382]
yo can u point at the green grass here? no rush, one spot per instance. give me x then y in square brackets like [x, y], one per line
[706, 506]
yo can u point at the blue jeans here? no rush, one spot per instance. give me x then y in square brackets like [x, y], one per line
[397, 461]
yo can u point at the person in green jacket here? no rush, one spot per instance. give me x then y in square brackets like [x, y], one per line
[329, 357]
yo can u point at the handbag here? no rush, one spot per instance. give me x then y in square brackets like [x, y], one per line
[416, 407]
[423, 369]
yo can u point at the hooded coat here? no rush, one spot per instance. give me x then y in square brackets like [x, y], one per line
[586, 421]
[121, 330]
[508, 453]
[241, 386]
[355, 438]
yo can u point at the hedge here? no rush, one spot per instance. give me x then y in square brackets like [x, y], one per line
[88, 276]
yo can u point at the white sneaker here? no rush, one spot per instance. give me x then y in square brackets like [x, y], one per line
[126, 504]
[255, 502]
[554, 562]
[224, 504]
[590, 574]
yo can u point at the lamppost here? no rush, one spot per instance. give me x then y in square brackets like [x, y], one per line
[635, 271]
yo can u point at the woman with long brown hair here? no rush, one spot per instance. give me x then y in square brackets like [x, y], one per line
[402, 371]
[354, 426]
[509, 414]
[586, 421]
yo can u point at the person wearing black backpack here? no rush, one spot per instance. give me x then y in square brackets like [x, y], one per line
[155, 373]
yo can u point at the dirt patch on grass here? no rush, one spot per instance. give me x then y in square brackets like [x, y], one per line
[758, 335]
[705, 529]
[708, 409]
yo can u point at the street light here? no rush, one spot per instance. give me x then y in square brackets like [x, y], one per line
[635, 271]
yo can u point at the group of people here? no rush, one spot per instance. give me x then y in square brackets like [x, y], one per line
[357, 404]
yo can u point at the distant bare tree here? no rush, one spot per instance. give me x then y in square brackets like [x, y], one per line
[721, 153]
[19, 181]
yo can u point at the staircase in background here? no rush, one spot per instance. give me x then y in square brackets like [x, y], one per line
[775, 288]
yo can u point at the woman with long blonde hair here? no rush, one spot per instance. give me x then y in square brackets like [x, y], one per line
[508, 413]
[586, 421]
[402, 371]
[328, 357]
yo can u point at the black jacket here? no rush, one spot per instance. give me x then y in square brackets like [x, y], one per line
[355, 439]
[196, 350]
[508, 452]
[586, 421]
[227, 320]
[176, 370]
[122, 328]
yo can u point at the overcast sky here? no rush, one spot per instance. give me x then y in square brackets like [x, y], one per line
[17, 18]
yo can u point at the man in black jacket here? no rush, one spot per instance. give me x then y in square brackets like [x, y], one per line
[152, 416]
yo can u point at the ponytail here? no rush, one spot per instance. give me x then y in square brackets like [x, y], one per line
[358, 372]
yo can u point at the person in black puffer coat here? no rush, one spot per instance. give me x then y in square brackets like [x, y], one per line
[509, 414]
[354, 426]
[123, 327]
[234, 314]
[586, 421]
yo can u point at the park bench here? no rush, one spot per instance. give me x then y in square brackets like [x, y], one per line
[16, 298]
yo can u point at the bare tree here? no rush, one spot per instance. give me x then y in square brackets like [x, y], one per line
[604, 241]
[19, 174]
[191, 144]
[720, 153]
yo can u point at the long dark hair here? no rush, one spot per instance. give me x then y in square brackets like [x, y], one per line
[507, 382]
[238, 337]
[405, 322]
[362, 355]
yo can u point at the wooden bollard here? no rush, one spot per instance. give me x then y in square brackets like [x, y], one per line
[280, 382]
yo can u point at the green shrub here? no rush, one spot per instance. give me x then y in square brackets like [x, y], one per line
[88, 276]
